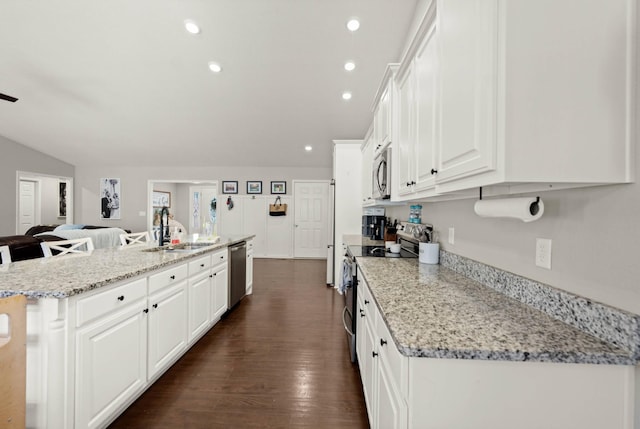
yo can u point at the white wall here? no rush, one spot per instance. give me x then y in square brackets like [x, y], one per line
[134, 187]
[16, 157]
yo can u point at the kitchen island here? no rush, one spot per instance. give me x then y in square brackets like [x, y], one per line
[439, 349]
[101, 328]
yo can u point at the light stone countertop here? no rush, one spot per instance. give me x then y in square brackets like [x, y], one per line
[74, 274]
[432, 311]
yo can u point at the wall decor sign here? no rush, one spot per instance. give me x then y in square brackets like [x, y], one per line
[230, 187]
[62, 198]
[110, 198]
[161, 199]
[254, 187]
[279, 187]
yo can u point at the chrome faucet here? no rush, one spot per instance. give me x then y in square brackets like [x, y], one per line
[163, 236]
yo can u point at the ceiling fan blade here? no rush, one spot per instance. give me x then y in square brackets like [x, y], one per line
[8, 98]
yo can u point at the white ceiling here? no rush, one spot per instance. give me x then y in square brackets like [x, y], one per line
[121, 82]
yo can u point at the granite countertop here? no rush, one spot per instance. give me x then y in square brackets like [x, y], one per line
[74, 274]
[432, 311]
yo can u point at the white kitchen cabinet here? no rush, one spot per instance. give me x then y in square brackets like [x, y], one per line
[513, 111]
[110, 363]
[168, 327]
[249, 288]
[200, 290]
[367, 168]
[383, 109]
[381, 365]
[220, 285]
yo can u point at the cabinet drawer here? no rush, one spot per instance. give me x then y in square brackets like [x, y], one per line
[219, 257]
[167, 277]
[396, 362]
[101, 303]
[199, 265]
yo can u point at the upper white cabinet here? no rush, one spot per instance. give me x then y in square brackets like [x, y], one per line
[383, 109]
[516, 96]
[367, 168]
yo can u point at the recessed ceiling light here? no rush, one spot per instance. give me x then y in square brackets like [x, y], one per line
[349, 65]
[346, 95]
[353, 24]
[215, 67]
[191, 26]
[308, 148]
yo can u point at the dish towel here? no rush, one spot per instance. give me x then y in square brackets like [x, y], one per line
[346, 280]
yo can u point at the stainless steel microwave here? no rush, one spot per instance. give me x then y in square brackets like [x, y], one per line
[382, 175]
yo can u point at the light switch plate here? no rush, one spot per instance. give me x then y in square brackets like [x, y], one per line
[543, 253]
[452, 235]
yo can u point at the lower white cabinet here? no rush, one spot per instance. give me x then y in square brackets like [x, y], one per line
[220, 286]
[168, 334]
[200, 290]
[111, 364]
[249, 289]
[380, 368]
[424, 393]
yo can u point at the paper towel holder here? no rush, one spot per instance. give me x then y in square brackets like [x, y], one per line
[534, 208]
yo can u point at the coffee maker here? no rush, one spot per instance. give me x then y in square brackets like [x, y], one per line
[373, 223]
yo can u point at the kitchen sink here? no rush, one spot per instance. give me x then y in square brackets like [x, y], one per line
[180, 248]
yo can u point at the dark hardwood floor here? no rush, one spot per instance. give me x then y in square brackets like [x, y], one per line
[278, 360]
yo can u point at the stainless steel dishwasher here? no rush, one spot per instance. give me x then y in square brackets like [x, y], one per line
[238, 273]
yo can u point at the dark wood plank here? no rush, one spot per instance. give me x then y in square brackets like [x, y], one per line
[278, 360]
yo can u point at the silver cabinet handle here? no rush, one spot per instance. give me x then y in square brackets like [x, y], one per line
[344, 322]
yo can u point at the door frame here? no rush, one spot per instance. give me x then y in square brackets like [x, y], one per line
[328, 214]
[37, 177]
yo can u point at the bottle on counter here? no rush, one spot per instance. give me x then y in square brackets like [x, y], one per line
[415, 213]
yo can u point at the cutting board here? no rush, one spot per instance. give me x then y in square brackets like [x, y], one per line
[13, 353]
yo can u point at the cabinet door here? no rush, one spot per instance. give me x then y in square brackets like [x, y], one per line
[367, 170]
[199, 304]
[382, 119]
[111, 364]
[426, 92]
[168, 331]
[369, 374]
[249, 289]
[406, 132]
[220, 292]
[467, 32]
[391, 409]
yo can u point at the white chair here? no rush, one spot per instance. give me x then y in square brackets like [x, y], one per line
[5, 255]
[75, 246]
[134, 238]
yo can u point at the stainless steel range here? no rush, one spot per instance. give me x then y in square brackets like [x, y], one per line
[411, 234]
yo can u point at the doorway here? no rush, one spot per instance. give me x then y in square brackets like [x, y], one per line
[311, 218]
[42, 199]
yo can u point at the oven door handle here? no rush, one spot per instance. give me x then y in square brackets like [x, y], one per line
[346, 328]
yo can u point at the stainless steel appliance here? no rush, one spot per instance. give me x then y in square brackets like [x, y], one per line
[382, 175]
[409, 235]
[237, 273]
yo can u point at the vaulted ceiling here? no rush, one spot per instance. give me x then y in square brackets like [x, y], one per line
[122, 82]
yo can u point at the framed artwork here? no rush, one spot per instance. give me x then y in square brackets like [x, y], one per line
[230, 187]
[254, 187]
[161, 199]
[62, 198]
[278, 187]
[110, 197]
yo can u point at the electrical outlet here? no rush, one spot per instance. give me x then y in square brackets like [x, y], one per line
[452, 235]
[543, 253]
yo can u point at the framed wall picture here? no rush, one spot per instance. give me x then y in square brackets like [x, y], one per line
[254, 187]
[161, 199]
[229, 186]
[110, 197]
[62, 199]
[278, 187]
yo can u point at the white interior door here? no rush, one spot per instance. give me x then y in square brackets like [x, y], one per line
[311, 219]
[203, 211]
[28, 211]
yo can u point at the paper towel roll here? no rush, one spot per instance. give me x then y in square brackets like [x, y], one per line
[429, 253]
[526, 209]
